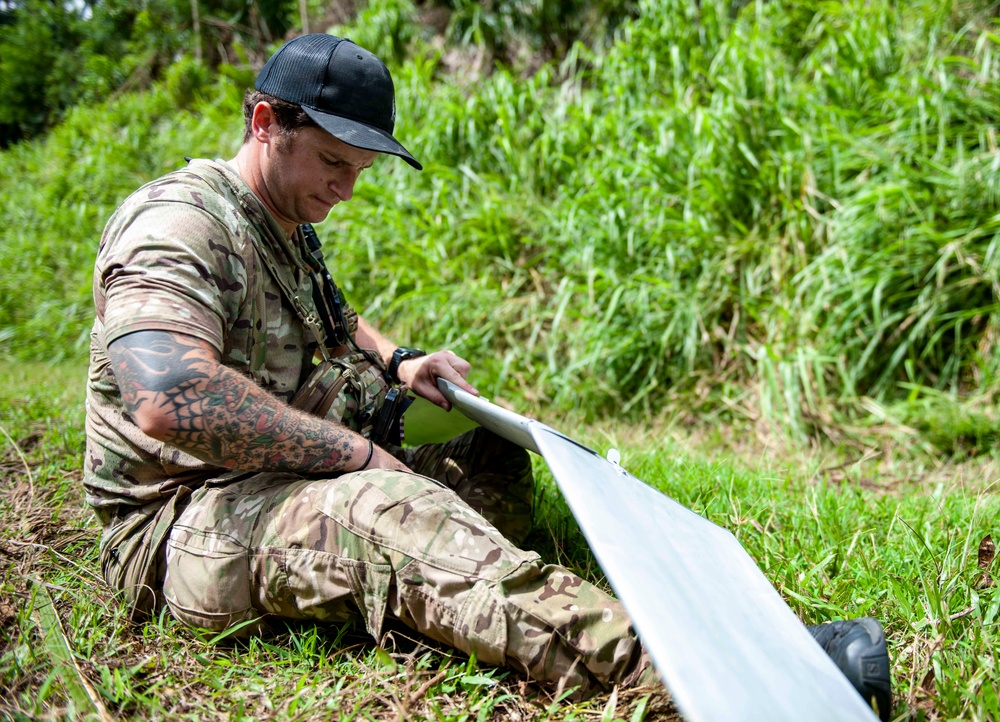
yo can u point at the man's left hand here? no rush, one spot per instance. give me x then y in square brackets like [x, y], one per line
[421, 375]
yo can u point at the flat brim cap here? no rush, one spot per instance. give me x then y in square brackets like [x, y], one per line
[345, 89]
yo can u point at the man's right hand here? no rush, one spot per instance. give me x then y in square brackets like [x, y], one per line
[421, 375]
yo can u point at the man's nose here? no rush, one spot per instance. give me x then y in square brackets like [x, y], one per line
[343, 183]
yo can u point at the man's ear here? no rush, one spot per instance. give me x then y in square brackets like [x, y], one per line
[263, 124]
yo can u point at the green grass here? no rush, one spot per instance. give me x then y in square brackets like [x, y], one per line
[839, 534]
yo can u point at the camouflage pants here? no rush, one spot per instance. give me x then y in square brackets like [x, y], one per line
[380, 542]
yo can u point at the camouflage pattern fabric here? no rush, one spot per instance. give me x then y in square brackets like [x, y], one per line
[377, 543]
[348, 389]
[180, 255]
[489, 473]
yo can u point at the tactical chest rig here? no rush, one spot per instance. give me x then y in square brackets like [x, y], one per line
[353, 387]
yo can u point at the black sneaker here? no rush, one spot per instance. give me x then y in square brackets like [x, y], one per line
[857, 646]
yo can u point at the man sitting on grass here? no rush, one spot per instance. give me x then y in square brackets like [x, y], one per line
[236, 480]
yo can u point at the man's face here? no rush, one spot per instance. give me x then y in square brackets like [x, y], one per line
[308, 173]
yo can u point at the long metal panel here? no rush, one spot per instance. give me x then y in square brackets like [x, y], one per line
[725, 643]
[500, 421]
[723, 640]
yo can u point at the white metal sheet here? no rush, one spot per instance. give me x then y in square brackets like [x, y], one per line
[500, 421]
[725, 643]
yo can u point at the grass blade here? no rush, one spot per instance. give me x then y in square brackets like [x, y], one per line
[57, 647]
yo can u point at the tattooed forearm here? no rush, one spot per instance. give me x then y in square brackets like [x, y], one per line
[177, 390]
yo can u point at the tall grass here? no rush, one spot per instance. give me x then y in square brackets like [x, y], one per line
[801, 199]
[786, 209]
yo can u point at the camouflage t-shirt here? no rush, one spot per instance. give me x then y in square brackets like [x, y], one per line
[185, 253]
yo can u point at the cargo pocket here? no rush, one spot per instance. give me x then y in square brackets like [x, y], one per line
[369, 584]
[207, 584]
[131, 553]
[482, 624]
[125, 555]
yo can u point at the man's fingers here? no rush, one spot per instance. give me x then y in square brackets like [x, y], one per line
[459, 364]
[421, 374]
[455, 369]
[436, 397]
[457, 379]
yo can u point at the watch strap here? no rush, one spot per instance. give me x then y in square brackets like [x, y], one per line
[400, 355]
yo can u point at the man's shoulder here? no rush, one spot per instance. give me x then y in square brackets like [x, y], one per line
[201, 185]
[198, 202]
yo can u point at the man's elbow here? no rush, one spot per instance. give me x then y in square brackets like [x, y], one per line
[154, 422]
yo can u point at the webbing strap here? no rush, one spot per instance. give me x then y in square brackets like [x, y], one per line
[262, 221]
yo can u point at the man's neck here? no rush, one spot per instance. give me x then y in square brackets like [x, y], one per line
[248, 167]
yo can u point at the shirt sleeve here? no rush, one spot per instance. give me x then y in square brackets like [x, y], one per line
[169, 266]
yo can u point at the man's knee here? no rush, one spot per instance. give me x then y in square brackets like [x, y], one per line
[414, 517]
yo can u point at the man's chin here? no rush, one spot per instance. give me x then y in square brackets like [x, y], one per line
[317, 216]
[322, 211]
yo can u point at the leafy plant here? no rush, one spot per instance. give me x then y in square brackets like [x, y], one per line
[769, 210]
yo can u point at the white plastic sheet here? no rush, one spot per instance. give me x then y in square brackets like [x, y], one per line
[726, 645]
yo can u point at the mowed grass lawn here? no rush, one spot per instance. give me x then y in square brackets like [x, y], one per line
[882, 531]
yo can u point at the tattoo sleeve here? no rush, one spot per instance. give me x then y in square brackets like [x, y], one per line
[177, 382]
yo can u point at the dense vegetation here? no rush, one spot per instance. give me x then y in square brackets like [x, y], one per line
[55, 55]
[776, 210]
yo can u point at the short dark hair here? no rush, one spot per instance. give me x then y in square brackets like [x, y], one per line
[289, 116]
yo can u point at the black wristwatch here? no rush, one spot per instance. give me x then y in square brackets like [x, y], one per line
[400, 355]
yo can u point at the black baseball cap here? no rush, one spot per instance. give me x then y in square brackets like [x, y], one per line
[341, 86]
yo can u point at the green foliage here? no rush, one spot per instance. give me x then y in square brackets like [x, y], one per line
[54, 56]
[385, 28]
[777, 210]
[57, 196]
[186, 80]
[33, 69]
[708, 199]
[546, 26]
[954, 430]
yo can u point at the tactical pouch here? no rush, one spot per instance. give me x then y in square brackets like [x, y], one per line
[352, 391]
